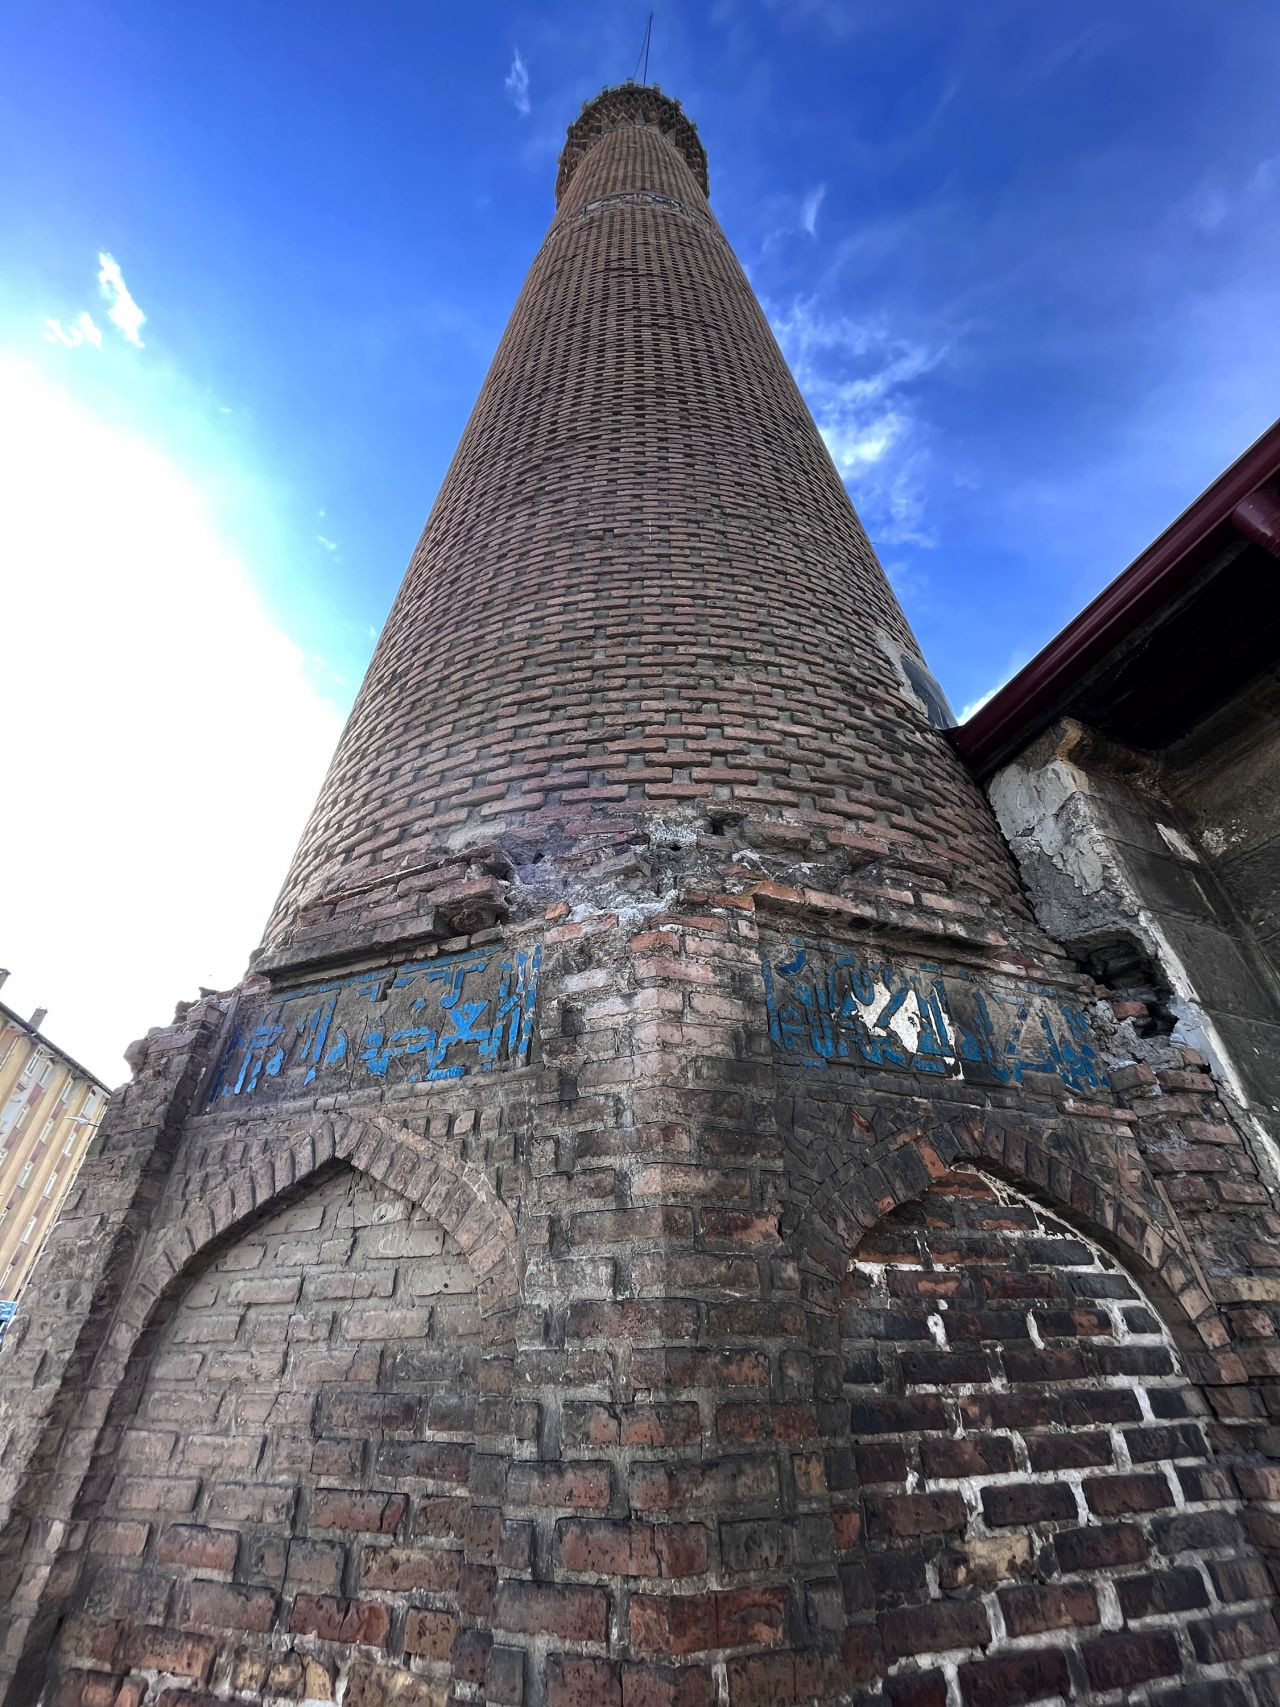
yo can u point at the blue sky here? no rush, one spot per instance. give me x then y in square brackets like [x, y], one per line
[1024, 260]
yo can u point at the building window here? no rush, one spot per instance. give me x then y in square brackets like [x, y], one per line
[13, 1107]
[29, 1230]
[70, 1144]
[50, 1184]
[25, 1175]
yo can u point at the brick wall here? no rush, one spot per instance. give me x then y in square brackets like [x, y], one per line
[676, 1450]
[679, 1392]
[641, 592]
[1036, 1485]
[288, 1456]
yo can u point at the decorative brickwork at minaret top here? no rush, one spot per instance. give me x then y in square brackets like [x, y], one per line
[631, 104]
[642, 592]
[658, 1227]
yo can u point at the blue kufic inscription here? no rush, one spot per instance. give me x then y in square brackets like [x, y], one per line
[830, 1005]
[456, 1014]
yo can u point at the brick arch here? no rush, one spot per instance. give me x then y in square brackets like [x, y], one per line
[284, 1167]
[420, 1526]
[851, 1198]
[1040, 1506]
[460, 1197]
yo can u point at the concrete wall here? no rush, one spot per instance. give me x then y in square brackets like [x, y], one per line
[1225, 780]
[1176, 854]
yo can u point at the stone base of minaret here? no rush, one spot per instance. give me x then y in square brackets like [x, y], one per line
[750, 1303]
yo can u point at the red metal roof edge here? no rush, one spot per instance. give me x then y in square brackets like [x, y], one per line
[1149, 581]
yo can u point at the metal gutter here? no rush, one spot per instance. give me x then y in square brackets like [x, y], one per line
[1016, 714]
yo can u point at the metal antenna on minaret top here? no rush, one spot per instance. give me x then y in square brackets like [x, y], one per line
[644, 51]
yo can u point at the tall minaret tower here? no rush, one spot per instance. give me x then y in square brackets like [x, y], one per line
[642, 609]
[653, 1228]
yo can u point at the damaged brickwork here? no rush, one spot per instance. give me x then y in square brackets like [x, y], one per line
[661, 1225]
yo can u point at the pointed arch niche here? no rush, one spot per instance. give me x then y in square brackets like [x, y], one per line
[1041, 1516]
[279, 1506]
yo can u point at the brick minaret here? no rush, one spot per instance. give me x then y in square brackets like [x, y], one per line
[642, 595]
[659, 1226]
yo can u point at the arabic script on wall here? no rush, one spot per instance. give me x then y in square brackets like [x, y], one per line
[831, 1005]
[428, 1021]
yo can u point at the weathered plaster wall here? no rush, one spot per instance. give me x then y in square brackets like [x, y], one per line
[1178, 858]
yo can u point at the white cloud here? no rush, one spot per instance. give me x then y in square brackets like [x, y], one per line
[173, 740]
[908, 581]
[517, 85]
[856, 376]
[122, 310]
[809, 209]
[976, 705]
[82, 330]
[329, 544]
[1216, 200]
[837, 17]
[1208, 207]
[1017, 659]
[853, 447]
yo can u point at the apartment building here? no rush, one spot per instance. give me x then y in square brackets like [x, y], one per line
[50, 1107]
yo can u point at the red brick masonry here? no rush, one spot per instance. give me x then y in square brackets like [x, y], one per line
[660, 1226]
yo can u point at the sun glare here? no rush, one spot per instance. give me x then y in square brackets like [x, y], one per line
[172, 742]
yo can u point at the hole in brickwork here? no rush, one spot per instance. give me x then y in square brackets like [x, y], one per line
[1041, 1516]
[725, 821]
[283, 1489]
[1130, 975]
